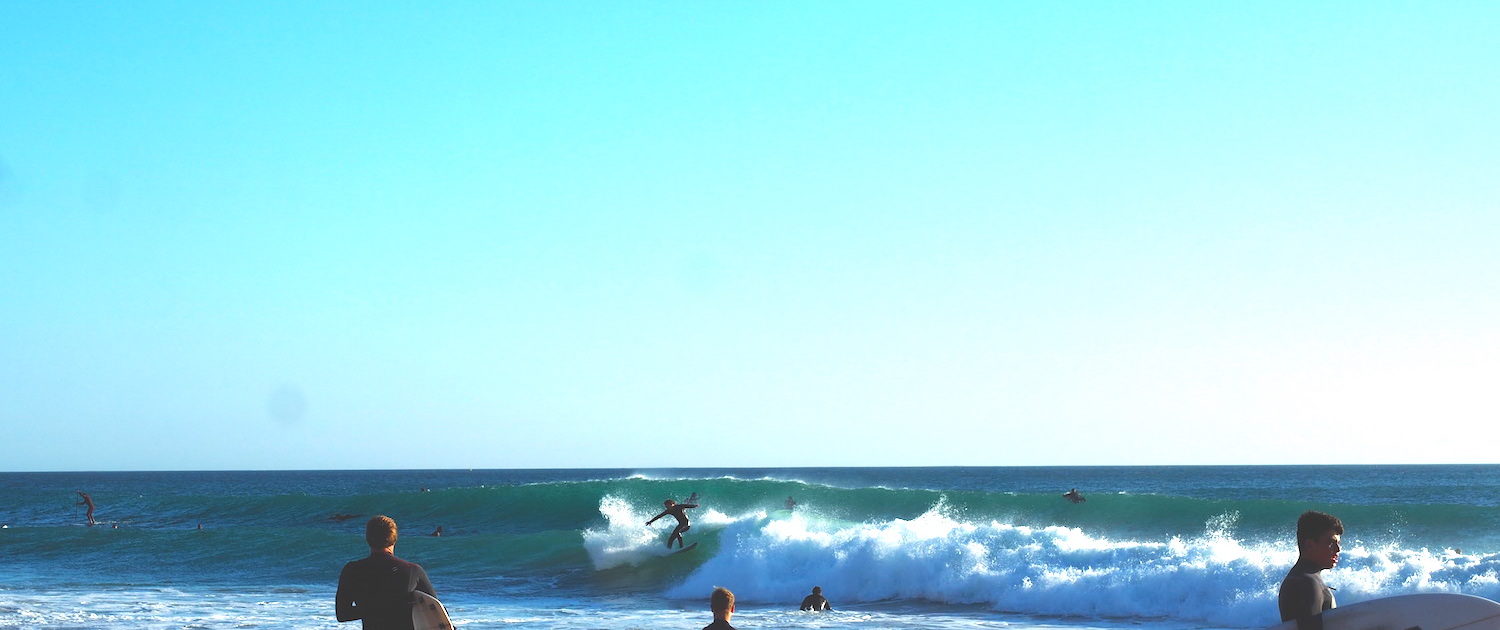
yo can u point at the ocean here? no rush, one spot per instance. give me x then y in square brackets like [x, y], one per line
[966, 547]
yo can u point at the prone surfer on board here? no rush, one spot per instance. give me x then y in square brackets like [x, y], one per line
[1303, 595]
[89, 501]
[1072, 495]
[676, 510]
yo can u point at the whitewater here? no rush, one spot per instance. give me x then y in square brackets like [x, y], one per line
[918, 548]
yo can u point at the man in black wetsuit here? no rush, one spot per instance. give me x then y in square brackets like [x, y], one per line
[816, 601]
[1303, 595]
[378, 589]
[722, 604]
[676, 510]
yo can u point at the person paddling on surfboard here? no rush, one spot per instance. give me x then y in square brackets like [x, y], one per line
[1303, 595]
[1072, 495]
[676, 510]
[89, 501]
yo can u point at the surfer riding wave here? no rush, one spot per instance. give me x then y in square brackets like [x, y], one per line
[677, 511]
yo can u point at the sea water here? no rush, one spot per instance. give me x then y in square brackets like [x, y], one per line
[1152, 547]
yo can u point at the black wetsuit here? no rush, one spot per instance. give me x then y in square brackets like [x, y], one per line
[378, 591]
[1304, 595]
[718, 624]
[682, 521]
[815, 602]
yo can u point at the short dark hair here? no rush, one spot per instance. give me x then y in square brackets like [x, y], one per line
[380, 532]
[722, 600]
[1313, 524]
[817, 589]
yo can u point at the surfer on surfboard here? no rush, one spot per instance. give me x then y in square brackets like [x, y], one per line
[1072, 495]
[89, 501]
[676, 510]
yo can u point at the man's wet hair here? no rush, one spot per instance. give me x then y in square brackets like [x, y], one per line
[722, 600]
[380, 532]
[1313, 524]
[818, 589]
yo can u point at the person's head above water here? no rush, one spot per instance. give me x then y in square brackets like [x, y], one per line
[380, 532]
[1319, 538]
[817, 590]
[721, 602]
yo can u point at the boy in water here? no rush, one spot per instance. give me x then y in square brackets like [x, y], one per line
[676, 510]
[1303, 595]
[722, 605]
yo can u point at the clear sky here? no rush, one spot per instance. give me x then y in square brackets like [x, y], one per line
[262, 235]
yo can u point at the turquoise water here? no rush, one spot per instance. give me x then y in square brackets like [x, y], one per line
[1168, 547]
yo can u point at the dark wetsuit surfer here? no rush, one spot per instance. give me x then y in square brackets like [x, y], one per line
[378, 591]
[1303, 595]
[676, 510]
[89, 501]
[816, 601]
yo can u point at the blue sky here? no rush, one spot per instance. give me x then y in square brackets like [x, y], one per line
[542, 234]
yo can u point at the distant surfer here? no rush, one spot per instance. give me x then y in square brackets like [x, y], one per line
[378, 589]
[676, 510]
[1303, 594]
[437, 532]
[1072, 495]
[88, 501]
[341, 517]
[791, 504]
[816, 601]
[722, 605]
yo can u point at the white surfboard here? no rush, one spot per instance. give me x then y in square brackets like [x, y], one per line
[1427, 611]
[427, 613]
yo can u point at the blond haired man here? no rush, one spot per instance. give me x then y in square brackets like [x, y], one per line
[722, 604]
[378, 589]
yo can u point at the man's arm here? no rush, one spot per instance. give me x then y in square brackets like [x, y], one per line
[424, 584]
[687, 505]
[653, 519]
[343, 600]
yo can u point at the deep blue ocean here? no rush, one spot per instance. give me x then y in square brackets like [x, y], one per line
[1153, 547]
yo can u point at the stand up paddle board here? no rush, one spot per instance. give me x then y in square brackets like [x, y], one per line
[1426, 611]
[427, 613]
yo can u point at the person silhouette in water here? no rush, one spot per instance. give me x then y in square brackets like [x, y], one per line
[89, 501]
[676, 510]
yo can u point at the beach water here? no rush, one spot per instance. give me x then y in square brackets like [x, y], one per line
[1152, 547]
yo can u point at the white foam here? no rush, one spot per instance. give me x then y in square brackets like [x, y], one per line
[1054, 571]
[625, 538]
